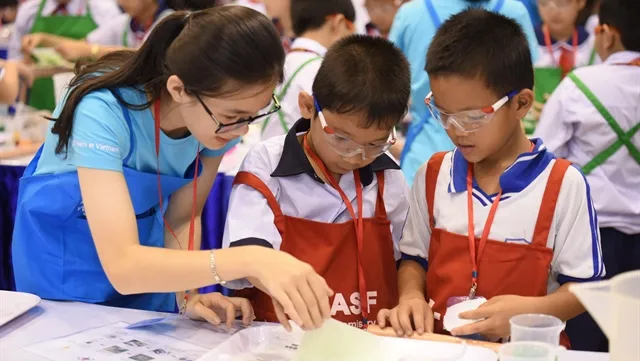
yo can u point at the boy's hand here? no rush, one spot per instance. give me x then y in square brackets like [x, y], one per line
[216, 308]
[410, 312]
[496, 314]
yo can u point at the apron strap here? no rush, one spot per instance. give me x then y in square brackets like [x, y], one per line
[256, 183]
[381, 210]
[549, 201]
[283, 92]
[498, 6]
[40, 9]
[624, 139]
[592, 58]
[431, 179]
[435, 19]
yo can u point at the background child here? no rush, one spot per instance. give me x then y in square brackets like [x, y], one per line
[593, 120]
[67, 18]
[381, 13]
[413, 27]
[317, 25]
[530, 214]
[563, 44]
[306, 193]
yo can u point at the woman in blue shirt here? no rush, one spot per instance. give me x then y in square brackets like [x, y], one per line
[109, 210]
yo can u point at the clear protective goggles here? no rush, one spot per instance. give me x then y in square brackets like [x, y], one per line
[347, 147]
[469, 120]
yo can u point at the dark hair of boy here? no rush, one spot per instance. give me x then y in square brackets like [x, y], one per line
[477, 43]
[365, 75]
[312, 14]
[623, 15]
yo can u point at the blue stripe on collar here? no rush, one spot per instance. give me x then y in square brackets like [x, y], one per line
[583, 35]
[526, 168]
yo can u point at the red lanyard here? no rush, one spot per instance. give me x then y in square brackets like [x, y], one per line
[156, 107]
[547, 41]
[477, 255]
[358, 221]
[63, 10]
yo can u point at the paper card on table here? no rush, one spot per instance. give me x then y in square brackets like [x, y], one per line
[338, 341]
[153, 321]
[452, 316]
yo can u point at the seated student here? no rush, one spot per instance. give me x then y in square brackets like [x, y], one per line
[125, 31]
[593, 120]
[563, 47]
[317, 25]
[327, 192]
[530, 229]
[68, 18]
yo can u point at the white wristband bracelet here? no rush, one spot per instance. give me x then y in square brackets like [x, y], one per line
[214, 271]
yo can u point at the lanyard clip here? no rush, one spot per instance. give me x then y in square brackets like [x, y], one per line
[472, 291]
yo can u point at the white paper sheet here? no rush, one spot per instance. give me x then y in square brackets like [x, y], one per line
[116, 343]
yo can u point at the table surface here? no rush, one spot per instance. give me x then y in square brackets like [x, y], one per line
[56, 319]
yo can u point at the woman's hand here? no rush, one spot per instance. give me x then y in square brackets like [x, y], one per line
[298, 292]
[216, 308]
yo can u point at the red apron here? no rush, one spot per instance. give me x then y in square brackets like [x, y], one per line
[332, 249]
[503, 268]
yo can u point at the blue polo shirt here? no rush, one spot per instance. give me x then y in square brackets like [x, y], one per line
[102, 139]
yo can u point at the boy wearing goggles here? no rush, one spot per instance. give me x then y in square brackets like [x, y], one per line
[498, 219]
[327, 192]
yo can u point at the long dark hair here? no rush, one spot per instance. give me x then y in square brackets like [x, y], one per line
[214, 52]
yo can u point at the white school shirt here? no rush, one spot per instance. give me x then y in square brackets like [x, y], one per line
[574, 236]
[584, 49]
[362, 16]
[112, 33]
[302, 82]
[282, 165]
[574, 129]
[102, 12]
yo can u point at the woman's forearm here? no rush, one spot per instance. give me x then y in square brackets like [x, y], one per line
[161, 270]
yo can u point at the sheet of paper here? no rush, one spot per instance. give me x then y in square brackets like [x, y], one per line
[49, 58]
[117, 343]
[337, 341]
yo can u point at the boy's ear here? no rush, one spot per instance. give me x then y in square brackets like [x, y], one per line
[307, 107]
[582, 4]
[523, 101]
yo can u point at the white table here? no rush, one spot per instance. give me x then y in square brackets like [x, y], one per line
[56, 319]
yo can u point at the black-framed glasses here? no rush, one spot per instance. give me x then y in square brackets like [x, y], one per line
[225, 128]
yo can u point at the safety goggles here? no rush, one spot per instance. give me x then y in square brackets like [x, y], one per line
[347, 147]
[230, 127]
[468, 120]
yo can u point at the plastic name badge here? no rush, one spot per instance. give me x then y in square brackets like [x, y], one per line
[337, 341]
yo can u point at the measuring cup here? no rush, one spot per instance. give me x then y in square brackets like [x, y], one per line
[536, 327]
[529, 351]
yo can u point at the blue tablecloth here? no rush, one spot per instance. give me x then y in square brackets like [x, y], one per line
[213, 218]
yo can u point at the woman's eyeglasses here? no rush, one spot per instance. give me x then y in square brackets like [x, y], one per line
[226, 128]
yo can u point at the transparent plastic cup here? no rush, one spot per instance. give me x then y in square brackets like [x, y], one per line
[529, 351]
[537, 328]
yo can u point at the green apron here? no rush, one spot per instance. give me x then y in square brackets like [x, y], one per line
[624, 139]
[68, 26]
[546, 80]
[282, 94]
